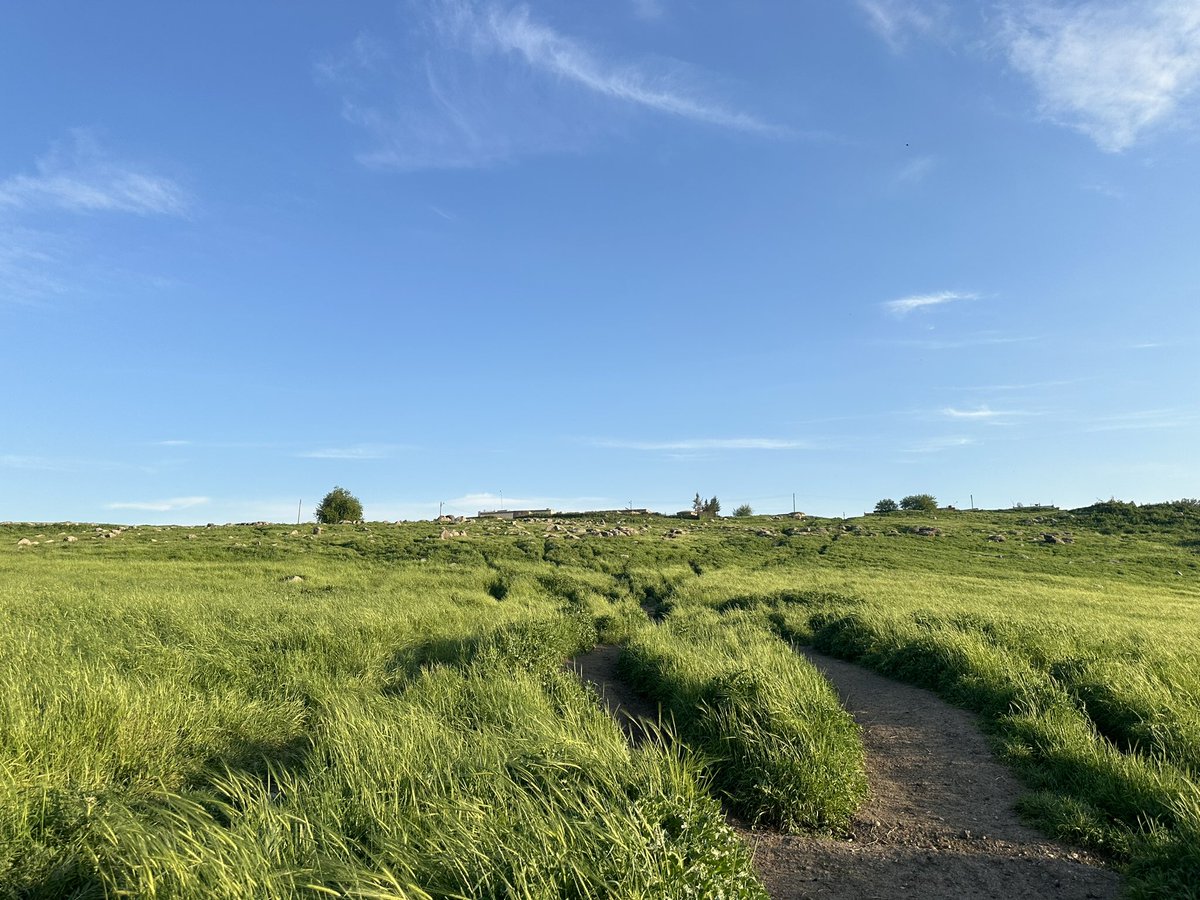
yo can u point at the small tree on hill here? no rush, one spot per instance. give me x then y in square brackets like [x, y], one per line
[886, 505]
[919, 503]
[744, 510]
[339, 505]
[702, 507]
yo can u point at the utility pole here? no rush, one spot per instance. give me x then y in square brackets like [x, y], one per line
[793, 503]
[298, 505]
[972, 501]
[440, 502]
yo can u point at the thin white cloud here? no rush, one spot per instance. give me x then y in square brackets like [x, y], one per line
[1141, 420]
[981, 413]
[694, 444]
[905, 305]
[544, 49]
[359, 451]
[897, 22]
[940, 444]
[916, 170]
[1022, 386]
[1105, 190]
[976, 340]
[17, 461]
[77, 176]
[1111, 70]
[985, 414]
[649, 10]
[173, 443]
[489, 500]
[29, 263]
[161, 505]
[483, 82]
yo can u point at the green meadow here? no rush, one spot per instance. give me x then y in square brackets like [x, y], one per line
[381, 711]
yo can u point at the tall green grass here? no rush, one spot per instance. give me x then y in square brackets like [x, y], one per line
[176, 719]
[386, 727]
[783, 751]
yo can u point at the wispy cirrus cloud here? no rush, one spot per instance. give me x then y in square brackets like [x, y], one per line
[357, 451]
[1141, 420]
[77, 176]
[1112, 70]
[161, 505]
[649, 10]
[985, 339]
[897, 22]
[19, 461]
[74, 179]
[29, 265]
[489, 500]
[697, 444]
[904, 305]
[915, 170]
[484, 82]
[940, 444]
[979, 414]
[984, 414]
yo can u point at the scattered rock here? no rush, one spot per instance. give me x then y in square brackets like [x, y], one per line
[927, 531]
[997, 538]
[24, 542]
[317, 529]
[293, 578]
[765, 532]
[1050, 538]
[70, 539]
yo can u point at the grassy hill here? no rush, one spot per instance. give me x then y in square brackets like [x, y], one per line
[380, 710]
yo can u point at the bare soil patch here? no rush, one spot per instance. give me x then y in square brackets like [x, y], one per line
[939, 822]
[633, 712]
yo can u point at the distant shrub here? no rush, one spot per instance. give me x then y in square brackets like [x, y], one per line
[886, 505]
[339, 505]
[744, 510]
[919, 502]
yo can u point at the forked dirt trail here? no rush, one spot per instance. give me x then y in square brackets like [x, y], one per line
[939, 821]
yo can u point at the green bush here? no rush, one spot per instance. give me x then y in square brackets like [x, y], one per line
[886, 505]
[339, 505]
[919, 503]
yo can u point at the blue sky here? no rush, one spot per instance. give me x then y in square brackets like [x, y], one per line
[591, 254]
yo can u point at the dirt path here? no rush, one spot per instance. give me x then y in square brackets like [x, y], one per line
[629, 708]
[939, 822]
